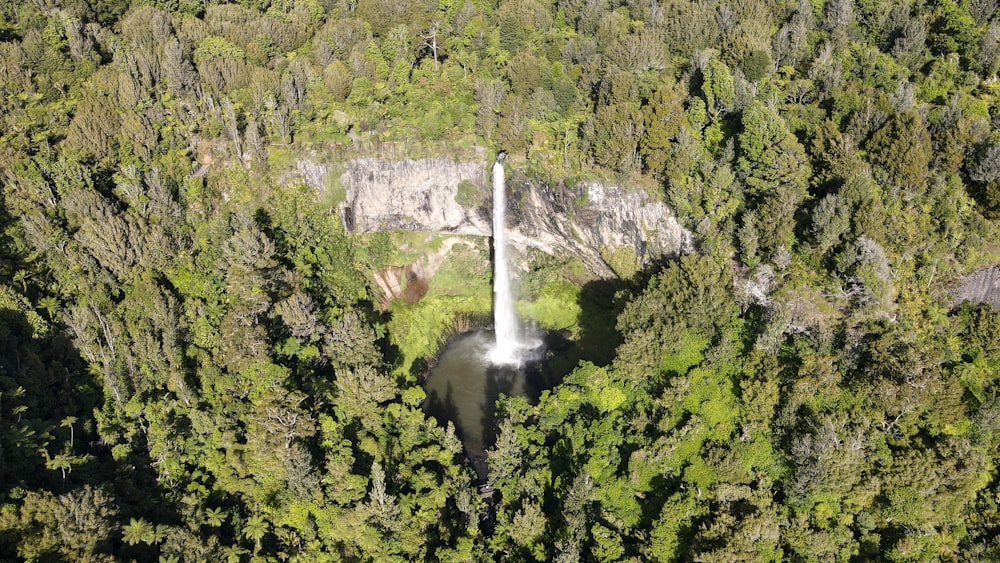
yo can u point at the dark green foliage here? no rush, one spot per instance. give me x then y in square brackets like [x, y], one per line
[192, 367]
[901, 151]
[664, 118]
[756, 65]
[688, 297]
[776, 172]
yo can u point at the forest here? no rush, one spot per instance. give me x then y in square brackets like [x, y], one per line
[194, 365]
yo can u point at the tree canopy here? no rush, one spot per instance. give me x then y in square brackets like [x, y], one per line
[194, 364]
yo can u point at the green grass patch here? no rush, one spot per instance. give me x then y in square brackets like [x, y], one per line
[557, 306]
[419, 330]
[334, 192]
[622, 259]
[406, 247]
[465, 271]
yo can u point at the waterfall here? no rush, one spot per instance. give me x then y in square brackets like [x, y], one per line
[506, 350]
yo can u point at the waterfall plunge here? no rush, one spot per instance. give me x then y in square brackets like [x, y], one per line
[507, 349]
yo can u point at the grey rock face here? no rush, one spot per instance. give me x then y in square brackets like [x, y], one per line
[981, 286]
[410, 195]
[445, 196]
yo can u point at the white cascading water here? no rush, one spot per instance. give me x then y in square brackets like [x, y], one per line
[507, 347]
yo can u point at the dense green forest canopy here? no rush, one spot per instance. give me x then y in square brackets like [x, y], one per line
[192, 367]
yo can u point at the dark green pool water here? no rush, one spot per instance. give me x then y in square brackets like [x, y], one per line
[463, 387]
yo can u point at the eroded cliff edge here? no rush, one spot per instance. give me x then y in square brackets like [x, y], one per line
[601, 224]
[981, 286]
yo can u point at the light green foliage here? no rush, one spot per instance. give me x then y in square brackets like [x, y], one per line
[717, 88]
[712, 400]
[76, 526]
[215, 46]
[675, 516]
[468, 195]
[770, 156]
[684, 355]
[622, 260]
[464, 273]
[556, 307]
[12, 303]
[697, 113]
[420, 329]
[866, 267]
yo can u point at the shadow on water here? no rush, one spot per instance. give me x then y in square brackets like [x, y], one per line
[463, 388]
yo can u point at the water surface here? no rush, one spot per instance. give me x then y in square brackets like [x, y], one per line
[464, 386]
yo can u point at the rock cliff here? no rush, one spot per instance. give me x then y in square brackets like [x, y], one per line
[981, 286]
[600, 224]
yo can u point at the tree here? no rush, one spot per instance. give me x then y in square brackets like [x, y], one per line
[717, 86]
[868, 273]
[755, 65]
[76, 526]
[138, 531]
[221, 64]
[254, 530]
[93, 129]
[338, 79]
[901, 154]
[525, 74]
[830, 221]
[617, 130]
[664, 118]
[512, 127]
[489, 95]
[774, 166]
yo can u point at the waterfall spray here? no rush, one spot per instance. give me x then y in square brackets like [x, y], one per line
[507, 347]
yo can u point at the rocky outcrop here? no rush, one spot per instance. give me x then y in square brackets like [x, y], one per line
[982, 286]
[410, 282]
[411, 195]
[590, 220]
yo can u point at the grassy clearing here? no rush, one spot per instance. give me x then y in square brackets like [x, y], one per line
[465, 271]
[419, 330]
[409, 246]
[460, 297]
[460, 289]
[557, 306]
